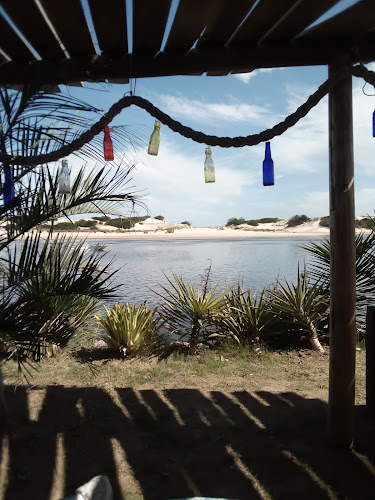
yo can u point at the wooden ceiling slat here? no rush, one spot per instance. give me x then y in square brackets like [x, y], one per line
[151, 18]
[191, 18]
[262, 18]
[70, 24]
[356, 20]
[109, 20]
[224, 21]
[304, 14]
[12, 45]
[33, 27]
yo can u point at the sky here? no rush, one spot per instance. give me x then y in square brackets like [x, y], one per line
[172, 183]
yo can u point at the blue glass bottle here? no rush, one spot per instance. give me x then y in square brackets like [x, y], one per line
[8, 185]
[268, 176]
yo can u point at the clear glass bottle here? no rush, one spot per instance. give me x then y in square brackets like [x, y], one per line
[153, 147]
[268, 174]
[209, 167]
[64, 178]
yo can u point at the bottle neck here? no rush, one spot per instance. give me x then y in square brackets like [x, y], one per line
[268, 151]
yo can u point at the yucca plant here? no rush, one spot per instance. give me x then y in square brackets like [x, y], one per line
[193, 313]
[249, 316]
[130, 329]
[301, 305]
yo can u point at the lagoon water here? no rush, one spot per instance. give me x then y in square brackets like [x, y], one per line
[258, 262]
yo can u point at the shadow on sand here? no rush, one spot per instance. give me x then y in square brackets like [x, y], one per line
[179, 443]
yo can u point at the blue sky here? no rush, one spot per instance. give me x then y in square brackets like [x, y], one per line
[173, 183]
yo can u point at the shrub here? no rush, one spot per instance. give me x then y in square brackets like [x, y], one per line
[235, 222]
[252, 222]
[296, 220]
[188, 223]
[192, 314]
[130, 329]
[248, 316]
[324, 221]
[125, 222]
[86, 223]
[64, 226]
[159, 217]
[266, 220]
[365, 223]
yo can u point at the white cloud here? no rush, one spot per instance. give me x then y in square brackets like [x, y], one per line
[246, 77]
[202, 111]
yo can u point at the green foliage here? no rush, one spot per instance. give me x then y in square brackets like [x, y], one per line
[85, 223]
[125, 222]
[130, 329]
[365, 223]
[324, 221]
[252, 222]
[49, 288]
[297, 220]
[249, 316]
[192, 313]
[302, 305]
[188, 223]
[266, 220]
[235, 222]
[319, 267]
[159, 217]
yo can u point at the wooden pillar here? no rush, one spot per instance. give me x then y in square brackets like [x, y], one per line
[343, 273]
[370, 360]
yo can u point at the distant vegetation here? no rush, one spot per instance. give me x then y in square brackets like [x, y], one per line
[233, 221]
[297, 220]
[159, 217]
[188, 223]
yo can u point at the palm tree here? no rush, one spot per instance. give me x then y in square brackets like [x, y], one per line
[49, 287]
[319, 268]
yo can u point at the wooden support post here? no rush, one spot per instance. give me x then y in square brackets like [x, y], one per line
[343, 272]
[370, 360]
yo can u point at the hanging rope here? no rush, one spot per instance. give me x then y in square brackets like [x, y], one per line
[211, 140]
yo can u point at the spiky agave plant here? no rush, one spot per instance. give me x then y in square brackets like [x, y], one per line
[302, 305]
[249, 315]
[193, 313]
[131, 329]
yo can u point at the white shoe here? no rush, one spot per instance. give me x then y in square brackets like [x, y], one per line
[98, 488]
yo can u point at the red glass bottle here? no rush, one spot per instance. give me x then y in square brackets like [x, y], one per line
[107, 145]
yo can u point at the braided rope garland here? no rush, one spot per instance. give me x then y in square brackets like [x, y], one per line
[225, 142]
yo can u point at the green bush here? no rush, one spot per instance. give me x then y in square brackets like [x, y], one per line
[126, 222]
[324, 221]
[64, 226]
[85, 223]
[235, 222]
[130, 329]
[193, 314]
[266, 220]
[252, 222]
[188, 223]
[363, 223]
[297, 220]
[159, 217]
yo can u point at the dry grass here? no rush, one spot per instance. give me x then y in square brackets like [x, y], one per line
[226, 424]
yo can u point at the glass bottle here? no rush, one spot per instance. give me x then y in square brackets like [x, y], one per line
[209, 168]
[268, 175]
[153, 147]
[8, 185]
[107, 145]
[64, 178]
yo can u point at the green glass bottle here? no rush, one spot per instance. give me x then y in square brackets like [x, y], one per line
[209, 168]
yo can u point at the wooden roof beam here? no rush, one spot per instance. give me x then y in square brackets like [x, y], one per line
[212, 60]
